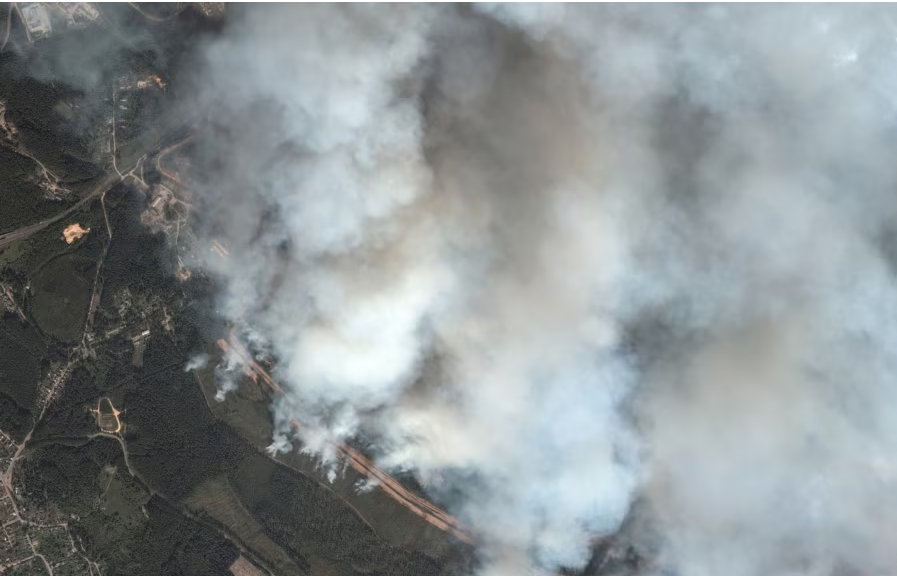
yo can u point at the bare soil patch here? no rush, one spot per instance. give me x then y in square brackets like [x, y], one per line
[73, 232]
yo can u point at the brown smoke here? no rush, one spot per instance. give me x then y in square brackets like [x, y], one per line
[558, 259]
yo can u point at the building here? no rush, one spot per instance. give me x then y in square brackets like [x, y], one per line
[37, 21]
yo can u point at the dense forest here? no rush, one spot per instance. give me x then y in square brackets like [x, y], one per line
[179, 489]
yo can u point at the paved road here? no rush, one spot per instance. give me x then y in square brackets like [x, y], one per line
[30, 229]
[393, 488]
[108, 182]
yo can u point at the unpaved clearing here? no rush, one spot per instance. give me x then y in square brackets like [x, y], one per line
[216, 499]
[73, 232]
[107, 416]
[243, 567]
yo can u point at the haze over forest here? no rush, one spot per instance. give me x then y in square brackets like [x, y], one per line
[467, 290]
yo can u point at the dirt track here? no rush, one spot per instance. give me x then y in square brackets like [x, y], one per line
[426, 510]
[108, 182]
[420, 506]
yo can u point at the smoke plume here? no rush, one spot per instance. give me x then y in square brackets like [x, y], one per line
[556, 259]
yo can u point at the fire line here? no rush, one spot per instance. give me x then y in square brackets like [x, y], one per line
[419, 506]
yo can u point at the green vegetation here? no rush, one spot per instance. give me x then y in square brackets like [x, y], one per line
[23, 201]
[62, 292]
[22, 357]
[132, 531]
[186, 487]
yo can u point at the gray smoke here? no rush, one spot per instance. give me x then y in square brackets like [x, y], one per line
[579, 256]
[196, 362]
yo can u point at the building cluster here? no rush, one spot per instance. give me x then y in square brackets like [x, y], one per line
[34, 538]
[9, 132]
[213, 10]
[131, 80]
[8, 301]
[41, 19]
[161, 201]
[37, 540]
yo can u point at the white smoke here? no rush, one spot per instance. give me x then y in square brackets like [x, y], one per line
[197, 362]
[579, 256]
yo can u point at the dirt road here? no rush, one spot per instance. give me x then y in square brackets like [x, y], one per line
[26, 231]
[419, 506]
[108, 182]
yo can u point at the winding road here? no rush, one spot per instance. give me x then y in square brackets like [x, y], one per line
[107, 183]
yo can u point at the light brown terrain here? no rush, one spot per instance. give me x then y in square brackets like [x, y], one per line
[216, 499]
[419, 506]
[108, 421]
[243, 567]
[73, 232]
